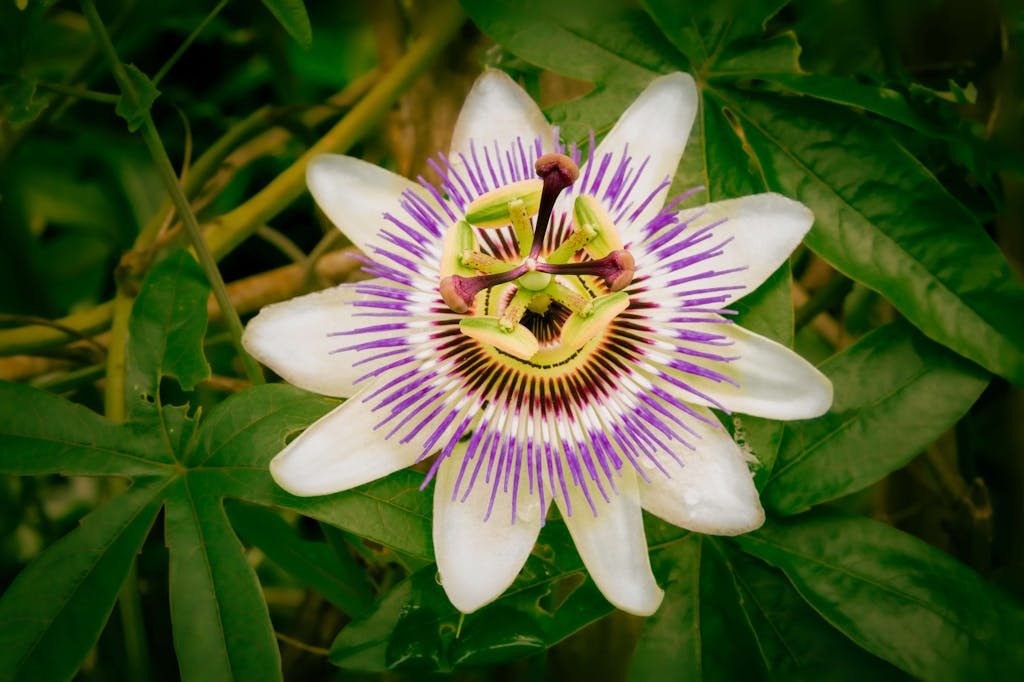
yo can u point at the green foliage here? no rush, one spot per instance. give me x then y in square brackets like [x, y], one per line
[896, 596]
[221, 624]
[293, 17]
[137, 97]
[895, 391]
[902, 186]
[883, 234]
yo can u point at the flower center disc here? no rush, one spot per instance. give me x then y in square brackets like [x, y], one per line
[529, 291]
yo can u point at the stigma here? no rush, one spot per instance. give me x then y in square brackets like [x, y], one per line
[574, 261]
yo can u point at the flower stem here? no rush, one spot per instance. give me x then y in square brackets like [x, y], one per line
[156, 149]
[226, 232]
[80, 93]
[169, 64]
[170, 179]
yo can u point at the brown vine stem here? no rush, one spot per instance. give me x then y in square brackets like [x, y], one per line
[158, 152]
[232, 228]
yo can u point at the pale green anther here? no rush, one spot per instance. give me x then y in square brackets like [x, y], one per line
[522, 225]
[577, 330]
[582, 235]
[534, 281]
[588, 211]
[482, 262]
[515, 310]
[518, 342]
[457, 240]
[578, 303]
[492, 208]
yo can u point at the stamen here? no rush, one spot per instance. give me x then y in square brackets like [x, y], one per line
[558, 172]
[458, 239]
[517, 341]
[458, 292]
[521, 225]
[579, 329]
[580, 237]
[482, 262]
[578, 303]
[588, 211]
[491, 209]
[515, 310]
[616, 269]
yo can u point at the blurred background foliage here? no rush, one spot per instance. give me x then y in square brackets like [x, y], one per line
[245, 88]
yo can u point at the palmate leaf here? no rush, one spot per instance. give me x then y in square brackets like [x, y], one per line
[56, 609]
[221, 626]
[314, 564]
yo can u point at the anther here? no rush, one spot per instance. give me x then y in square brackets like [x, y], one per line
[482, 262]
[580, 237]
[557, 171]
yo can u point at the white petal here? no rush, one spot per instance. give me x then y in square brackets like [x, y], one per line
[498, 110]
[479, 559]
[613, 546]
[713, 492]
[764, 229]
[774, 381]
[341, 451]
[656, 127]
[355, 195]
[292, 338]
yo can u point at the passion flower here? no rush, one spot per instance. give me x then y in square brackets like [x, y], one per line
[549, 330]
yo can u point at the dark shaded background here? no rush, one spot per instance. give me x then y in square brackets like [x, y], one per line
[75, 187]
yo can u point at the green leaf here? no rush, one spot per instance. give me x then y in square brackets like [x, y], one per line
[41, 433]
[897, 597]
[168, 322]
[594, 41]
[136, 98]
[794, 642]
[249, 428]
[700, 629]
[724, 36]
[674, 629]
[314, 564]
[896, 392]
[528, 616]
[54, 612]
[716, 159]
[363, 643]
[237, 441]
[904, 236]
[221, 626]
[18, 96]
[291, 14]
[875, 99]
